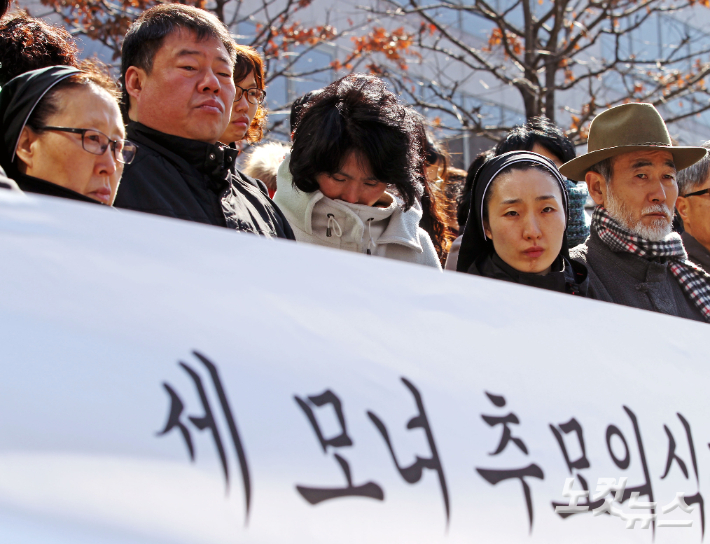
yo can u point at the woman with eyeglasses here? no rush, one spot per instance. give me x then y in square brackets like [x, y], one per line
[63, 134]
[248, 113]
[248, 120]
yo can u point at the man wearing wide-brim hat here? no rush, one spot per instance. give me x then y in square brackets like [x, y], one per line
[632, 255]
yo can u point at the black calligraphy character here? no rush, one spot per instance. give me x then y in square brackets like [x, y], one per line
[672, 456]
[573, 426]
[644, 489]
[494, 476]
[413, 473]
[507, 435]
[315, 495]
[176, 408]
[207, 421]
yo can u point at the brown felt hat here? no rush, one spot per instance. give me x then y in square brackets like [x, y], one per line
[627, 128]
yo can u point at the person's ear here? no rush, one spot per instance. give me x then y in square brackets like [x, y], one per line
[682, 206]
[487, 230]
[26, 150]
[134, 81]
[597, 187]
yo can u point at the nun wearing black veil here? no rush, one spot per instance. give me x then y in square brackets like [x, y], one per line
[517, 222]
[62, 134]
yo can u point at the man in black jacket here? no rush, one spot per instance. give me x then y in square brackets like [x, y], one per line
[176, 70]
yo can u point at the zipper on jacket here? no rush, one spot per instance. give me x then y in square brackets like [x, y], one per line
[369, 233]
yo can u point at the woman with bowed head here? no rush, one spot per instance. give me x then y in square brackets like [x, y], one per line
[63, 134]
[354, 174]
[516, 225]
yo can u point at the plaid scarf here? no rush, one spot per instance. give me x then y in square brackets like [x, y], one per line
[694, 280]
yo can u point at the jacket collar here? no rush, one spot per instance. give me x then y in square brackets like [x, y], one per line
[31, 184]
[565, 276]
[212, 160]
[402, 228]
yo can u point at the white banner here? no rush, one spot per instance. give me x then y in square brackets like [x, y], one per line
[167, 382]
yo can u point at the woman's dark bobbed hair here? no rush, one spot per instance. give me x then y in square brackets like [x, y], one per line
[358, 113]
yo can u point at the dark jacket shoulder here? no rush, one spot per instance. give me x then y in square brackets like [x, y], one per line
[565, 277]
[197, 182]
[159, 181]
[697, 252]
[631, 280]
[253, 181]
[38, 186]
[255, 192]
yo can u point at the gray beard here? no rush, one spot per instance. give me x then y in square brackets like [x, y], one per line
[657, 231]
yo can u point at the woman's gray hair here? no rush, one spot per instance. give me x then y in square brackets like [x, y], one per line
[694, 176]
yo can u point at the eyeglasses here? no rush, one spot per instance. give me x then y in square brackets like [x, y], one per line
[254, 95]
[96, 142]
[698, 193]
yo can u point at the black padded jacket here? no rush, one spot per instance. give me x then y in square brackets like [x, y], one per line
[565, 277]
[195, 181]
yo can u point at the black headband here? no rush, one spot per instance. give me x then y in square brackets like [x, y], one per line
[475, 242]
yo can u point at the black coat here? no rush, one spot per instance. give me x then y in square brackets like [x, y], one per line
[30, 184]
[192, 180]
[566, 276]
[632, 280]
[697, 252]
